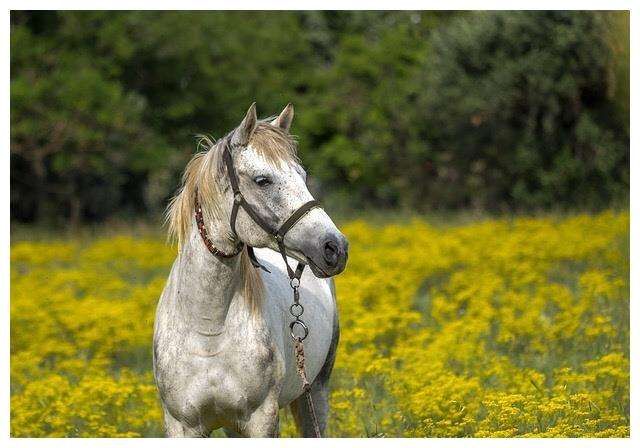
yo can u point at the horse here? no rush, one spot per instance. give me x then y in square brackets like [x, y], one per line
[223, 349]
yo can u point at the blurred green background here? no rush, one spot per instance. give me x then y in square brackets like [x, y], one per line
[424, 111]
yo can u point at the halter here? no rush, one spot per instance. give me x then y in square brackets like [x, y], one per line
[296, 309]
[278, 235]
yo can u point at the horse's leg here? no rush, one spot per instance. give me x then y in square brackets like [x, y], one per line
[264, 421]
[176, 428]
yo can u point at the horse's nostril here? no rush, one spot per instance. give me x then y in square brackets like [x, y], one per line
[331, 253]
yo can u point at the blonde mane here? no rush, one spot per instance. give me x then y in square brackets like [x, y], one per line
[205, 174]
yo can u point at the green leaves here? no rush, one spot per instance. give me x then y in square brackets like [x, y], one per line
[424, 110]
[78, 129]
[519, 90]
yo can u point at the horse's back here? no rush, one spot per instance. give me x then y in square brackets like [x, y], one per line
[317, 298]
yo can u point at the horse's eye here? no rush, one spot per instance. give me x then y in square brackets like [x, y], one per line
[262, 181]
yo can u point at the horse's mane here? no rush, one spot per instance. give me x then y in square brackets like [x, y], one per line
[205, 173]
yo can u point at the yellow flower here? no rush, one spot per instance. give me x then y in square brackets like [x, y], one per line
[500, 328]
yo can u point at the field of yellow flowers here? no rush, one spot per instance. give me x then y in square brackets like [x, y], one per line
[497, 328]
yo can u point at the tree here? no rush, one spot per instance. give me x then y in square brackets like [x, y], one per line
[75, 134]
[358, 131]
[127, 92]
[519, 111]
[492, 110]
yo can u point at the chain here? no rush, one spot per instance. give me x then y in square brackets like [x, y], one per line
[296, 310]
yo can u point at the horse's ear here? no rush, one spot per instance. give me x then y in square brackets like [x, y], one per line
[285, 118]
[243, 132]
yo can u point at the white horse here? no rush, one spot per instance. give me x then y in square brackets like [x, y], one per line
[222, 353]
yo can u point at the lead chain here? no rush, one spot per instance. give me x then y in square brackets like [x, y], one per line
[296, 309]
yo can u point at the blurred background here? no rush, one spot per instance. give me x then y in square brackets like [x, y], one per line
[493, 112]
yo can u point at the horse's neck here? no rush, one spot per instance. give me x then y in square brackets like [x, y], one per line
[206, 286]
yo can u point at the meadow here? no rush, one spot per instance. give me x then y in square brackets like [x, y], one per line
[493, 328]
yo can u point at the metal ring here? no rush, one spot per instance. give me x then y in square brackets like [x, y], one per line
[294, 282]
[296, 307]
[238, 198]
[304, 327]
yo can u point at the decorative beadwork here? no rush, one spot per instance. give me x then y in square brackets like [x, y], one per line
[205, 237]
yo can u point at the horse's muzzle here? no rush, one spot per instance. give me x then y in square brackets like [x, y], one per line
[329, 257]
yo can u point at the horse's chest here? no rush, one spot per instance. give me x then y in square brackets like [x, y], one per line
[230, 384]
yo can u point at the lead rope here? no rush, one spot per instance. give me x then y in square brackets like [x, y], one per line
[296, 310]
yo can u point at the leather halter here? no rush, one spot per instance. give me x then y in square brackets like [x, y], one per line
[240, 201]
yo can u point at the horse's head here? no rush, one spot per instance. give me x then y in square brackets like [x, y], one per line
[273, 182]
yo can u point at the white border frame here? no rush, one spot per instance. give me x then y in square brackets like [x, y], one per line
[301, 5]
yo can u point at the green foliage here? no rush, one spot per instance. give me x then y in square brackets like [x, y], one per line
[140, 84]
[359, 129]
[520, 112]
[77, 137]
[400, 109]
